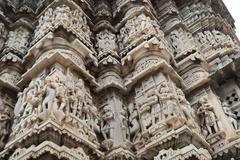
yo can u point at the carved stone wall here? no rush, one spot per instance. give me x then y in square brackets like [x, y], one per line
[118, 80]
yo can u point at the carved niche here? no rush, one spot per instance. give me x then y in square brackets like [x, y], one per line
[158, 104]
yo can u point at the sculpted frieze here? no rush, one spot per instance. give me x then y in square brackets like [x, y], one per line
[72, 20]
[184, 153]
[146, 63]
[161, 108]
[120, 79]
[194, 77]
[210, 41]
[182, 42]
[138, 28]
[58, 98]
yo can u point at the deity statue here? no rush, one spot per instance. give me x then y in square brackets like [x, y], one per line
[107, 127]
[108, 117]
[134, 123]
[50, 95]
[207, 116]
[123, 121]
[186, 108]
[231, 116]
[167, 97]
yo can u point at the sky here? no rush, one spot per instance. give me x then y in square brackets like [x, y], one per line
[234, 8]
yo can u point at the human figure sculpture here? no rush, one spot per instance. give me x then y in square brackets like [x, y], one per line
[186, 108]
[133, 119]
[61, 94]
[80, 94]
[175, 41]
[208, 116]
[28, 109]
[123, 121]
[231, 116]
[146, 120]
[185, 105]
[5, 123]
[153, 102]
[94, 119]
[107, 128]
[72, 98]
[167, 97]
[28, 100]
[50, 95]
[18, 109]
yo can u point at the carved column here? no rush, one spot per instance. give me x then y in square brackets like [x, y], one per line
[55, 110]
[112, 106]
[160, 104]
[14, 49]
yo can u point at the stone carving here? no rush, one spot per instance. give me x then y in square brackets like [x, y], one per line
[154, 62]
[106, 43]
[231, 116]
[54, 97]
[138, 28]
[146, 63]
[3, 35]
[184, 153]
[107, 47]
[134, 121]
[18, 41]
[211, 40]
[11, 77]
[5, 123]
[214, 38]
[182, 42]
[188, 112]
[48, 146]
[72, 20]
[209, 121]
[107, 126]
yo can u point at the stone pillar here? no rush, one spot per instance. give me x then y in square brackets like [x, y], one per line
[15, 47]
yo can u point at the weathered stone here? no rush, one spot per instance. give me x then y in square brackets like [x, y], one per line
[118, 80]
